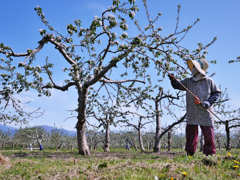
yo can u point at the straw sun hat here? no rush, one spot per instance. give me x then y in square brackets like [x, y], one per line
[200, 64]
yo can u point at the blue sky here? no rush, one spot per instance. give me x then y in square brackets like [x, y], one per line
[20, 29]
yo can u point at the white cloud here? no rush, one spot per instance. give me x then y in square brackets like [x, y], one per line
[96, 6]
[26, 96]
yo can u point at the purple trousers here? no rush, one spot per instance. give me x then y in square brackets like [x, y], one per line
[192, 139]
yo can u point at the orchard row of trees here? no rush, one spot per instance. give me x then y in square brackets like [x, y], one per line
[91, 55]
[31, 138]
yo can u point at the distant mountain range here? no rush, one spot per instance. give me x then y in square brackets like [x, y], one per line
[5, 128]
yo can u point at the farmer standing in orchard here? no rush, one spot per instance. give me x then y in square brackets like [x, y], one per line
[197, 114]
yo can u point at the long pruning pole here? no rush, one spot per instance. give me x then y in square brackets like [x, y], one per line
[157, 62]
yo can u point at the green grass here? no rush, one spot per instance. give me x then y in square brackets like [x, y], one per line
[118, 164]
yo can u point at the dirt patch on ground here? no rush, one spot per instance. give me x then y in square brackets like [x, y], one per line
[4, 160]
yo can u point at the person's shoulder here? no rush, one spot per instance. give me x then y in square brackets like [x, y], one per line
[188, 79]
[209, 79]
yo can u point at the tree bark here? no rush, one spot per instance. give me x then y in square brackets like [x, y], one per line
[140, 137]
[81, 138]
[150, 146]
[81, 124]
[107, 137]
[3, 144]
[169, 140]
[228, 145]
[59, 146]
[157, 145]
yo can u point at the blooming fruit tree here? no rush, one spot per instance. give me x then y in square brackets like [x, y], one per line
[96, 53]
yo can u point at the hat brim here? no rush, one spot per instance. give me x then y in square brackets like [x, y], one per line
[196, 64]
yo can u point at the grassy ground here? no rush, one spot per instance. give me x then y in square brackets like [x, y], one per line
[118, 164]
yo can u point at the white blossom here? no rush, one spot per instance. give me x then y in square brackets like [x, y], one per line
[105, 26]
[40, 30]
[37, 7]
[95, 18]
[126, 34]
[83, 43]
[133, 13]
[110, 16]
[37, 74]
[59, 38]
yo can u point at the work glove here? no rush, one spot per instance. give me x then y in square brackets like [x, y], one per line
[171, 76]
[206, 104]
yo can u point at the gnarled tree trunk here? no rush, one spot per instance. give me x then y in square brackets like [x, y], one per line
[3, 144]
[81, 124]
[228, 145]
[81, 138]
[218, 142]
[107, 137]
[169, 140]
[157, 145]
[140, 137]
